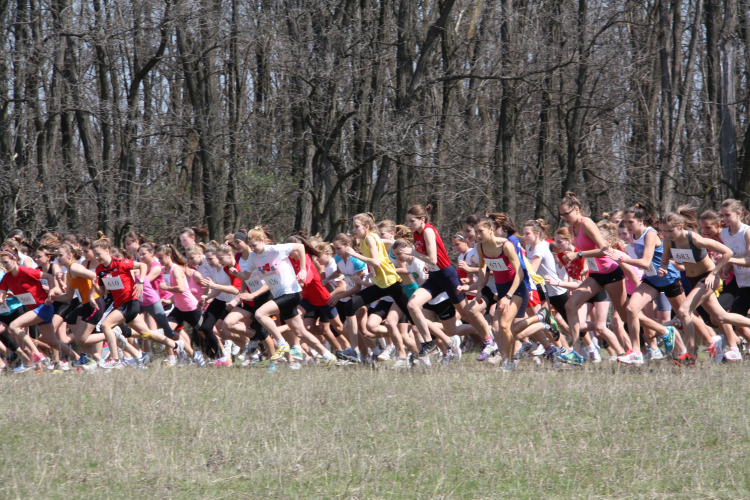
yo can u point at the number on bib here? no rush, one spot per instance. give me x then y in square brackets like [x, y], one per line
[113, 283]
[683, 255]
[349, 282]
[273, 281]
[651, 271]
[44, 282]
[254, 284]
[4, 308]
[593, 265]
[496, 265]
[26, 299]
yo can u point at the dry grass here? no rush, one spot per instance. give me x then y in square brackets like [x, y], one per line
[467, 431]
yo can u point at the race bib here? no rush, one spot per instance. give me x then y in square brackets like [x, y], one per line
[349, 282]
[496, 265]
[683, 255]
[593, 266]
[4, 308]
[254, 284]
[167, 279]
[44, 282]
[26, 299]
[432, 269]
[273, 281]
[651, 271]
[113, 283]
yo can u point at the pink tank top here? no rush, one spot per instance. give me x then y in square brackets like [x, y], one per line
[194, 287]
[502, 270]
[150, 295]
[597, 265]
[184, 301]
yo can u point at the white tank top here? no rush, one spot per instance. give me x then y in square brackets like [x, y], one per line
[738, 246]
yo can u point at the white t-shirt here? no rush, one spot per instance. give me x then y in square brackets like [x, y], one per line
[277, 270]
[220, 277]
[255, 281]
[349, 268]
[547, 266]
[416, 269]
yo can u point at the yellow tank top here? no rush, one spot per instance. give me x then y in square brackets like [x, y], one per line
[386, 274]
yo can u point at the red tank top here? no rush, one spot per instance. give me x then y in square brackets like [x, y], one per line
[501, 267]
[442, 256]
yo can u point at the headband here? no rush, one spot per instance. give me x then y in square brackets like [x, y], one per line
[239, 235]
[8, 253]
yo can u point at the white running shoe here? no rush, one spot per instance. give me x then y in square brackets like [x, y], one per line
[594, 354]
[538, 351]
[733, 354]
[631, 358]
[456, 348]
[401, 363]
[524, 350]
[656, 355]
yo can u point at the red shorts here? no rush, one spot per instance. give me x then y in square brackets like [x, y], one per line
[534, 298]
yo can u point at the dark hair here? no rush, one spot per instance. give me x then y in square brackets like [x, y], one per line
[196, 231]
[711, 216]
[539, 226]
[503, 220]
[173, 253]
[420, 212]
[570, 200]
[133, 236]
[309, 249]
[471, 220]
[640, 212]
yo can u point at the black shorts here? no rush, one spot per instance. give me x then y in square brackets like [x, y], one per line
[542, 292]
[192, 318]
[62, 309]
[558, 302]
[130, 310]
[671, 290]
[87, 313]
[444, 310]
[604, 279]
[489, 296]
[380, 309]
[728, 292]
[217, 311]
[599, 297]
[287, 305]
[521, 291]
[741, 303]
[325, 313]
[445, 280]
[11, 317]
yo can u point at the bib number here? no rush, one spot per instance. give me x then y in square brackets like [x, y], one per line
[113, 283]
[349, 282]
[683, 255]
[4, 308]
[273, 281]
[651, 271]
[26, 299]
[44, 282]
[167, 279]
[254, 284]
[593, 265]
[496, 265]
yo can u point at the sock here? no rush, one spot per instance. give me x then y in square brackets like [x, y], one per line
[539, 317]
[281, 343]
[327, 355]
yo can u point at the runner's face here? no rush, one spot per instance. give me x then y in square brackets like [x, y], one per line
[634, 225]
[213, 260]
[469, 233]
[386, 235]
[730, 217]
[672, 232]
[132, 246]
[63, 257]
[226, 260]
[256, 246]
[145, 256]
[529, 236]
[186, 240]
[562, 244]
[358, 229]
[240, 245]
[88, 254]
[102, 256]
[41, 258]
[340, 249]
[460, 246]
[324, 258]
[165, 259]
[414, 223]
[483, 233]
[625, 235]
[8, 262]
[709, 230]
[195, 258]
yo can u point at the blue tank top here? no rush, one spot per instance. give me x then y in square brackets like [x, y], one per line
[519, 251]
[651, 276]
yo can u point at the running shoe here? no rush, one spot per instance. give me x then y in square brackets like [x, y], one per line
[272, 367]
[296, 353]
[331, 361]
[387, 355]
[594, 355]
[112, 365]
[90, 365]
[281, 351]
[105, 351]
[716, 349]
[467, 345]
[225, 361]
[654, 355]
[350, 355]
[65, 366]
[509, 366]
[733, 355]
[401, 363]
[455, 348]
[685, 360]
[81, 361]
[429, 347]
[668, 340]
[170, 361]
[546, 318]
[37, 358]
[538, 351]
[489, 347]
[198, 358]
[22, 368]
[631, 358]
[524, 351]
[295, 365]
[128, 362]
[571, 357]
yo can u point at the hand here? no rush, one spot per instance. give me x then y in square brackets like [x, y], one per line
[462, 288]
[570, 256]
[333, 300]
[207, 282]
[662, 272]
[350, 252]
[503, 304]
[50, 299]
[59, 276]
[612, 255]
[710, 281]
[233, 271]
[324, 282]
[462, 265]
[549, 280]
[94, 305]
[138, 290]
[202, 302]
[302, 276]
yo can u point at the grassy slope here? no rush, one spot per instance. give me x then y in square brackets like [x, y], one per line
[468, 431]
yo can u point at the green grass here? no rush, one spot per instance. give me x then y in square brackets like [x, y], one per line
[465, 432]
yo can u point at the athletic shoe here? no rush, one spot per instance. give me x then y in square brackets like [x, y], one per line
[429, 347]
[21, 368]
[733, 355]
[524, 351]
[538, 351]
[401, 363]
[654, 355]
[37, 358]
[685, 360]
[668, 340]
[272, 367]
[631, 358]
[572, 358]
[489, 347]
[81, 361]
[296, 353]
[225, 361]
[349, 354]
[128, 362]
[331, 361]
[112, 364]
[198, 358]
[170, 361]
[544, 313]
[281, 350]
[497, 359]
[594, 355]
[90, 365]
[455, 348]
[295, 365]
[716, 349]
[65, 366]
[146, 357]
[121, 340]
[509, 366]
[387, 355]
[235, 348]
[180, 346]
[105, 350]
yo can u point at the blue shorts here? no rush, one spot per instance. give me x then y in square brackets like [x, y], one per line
[445, 280]
[521, 291]
[326, 311]
[410, 289]
[46, 313]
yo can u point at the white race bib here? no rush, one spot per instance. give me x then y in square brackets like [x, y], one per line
[651, 271]
[349, 282]
[432, 269]
[254, 284]
[167, 279]
[496, 265]
[273, 280]
[4, 308]
[44, 282]
[26, 299]
[683, 255]
[593, 266]
[113, 283]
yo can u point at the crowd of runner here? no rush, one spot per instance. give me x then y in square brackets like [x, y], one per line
[386, 295]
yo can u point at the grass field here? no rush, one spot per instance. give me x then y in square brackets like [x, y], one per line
[467, 431]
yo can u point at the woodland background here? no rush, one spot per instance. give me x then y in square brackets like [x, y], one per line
[152, 115]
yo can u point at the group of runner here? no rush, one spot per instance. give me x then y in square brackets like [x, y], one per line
[386, 294]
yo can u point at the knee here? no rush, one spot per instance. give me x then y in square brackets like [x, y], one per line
[632, 311]
[683, 313]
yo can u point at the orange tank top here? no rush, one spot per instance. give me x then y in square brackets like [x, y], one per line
[83, 286]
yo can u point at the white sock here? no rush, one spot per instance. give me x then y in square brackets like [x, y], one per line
[327, 355]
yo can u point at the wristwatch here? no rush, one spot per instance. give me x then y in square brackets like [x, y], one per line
[580, 255]
[140, 280]
[509, 297]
